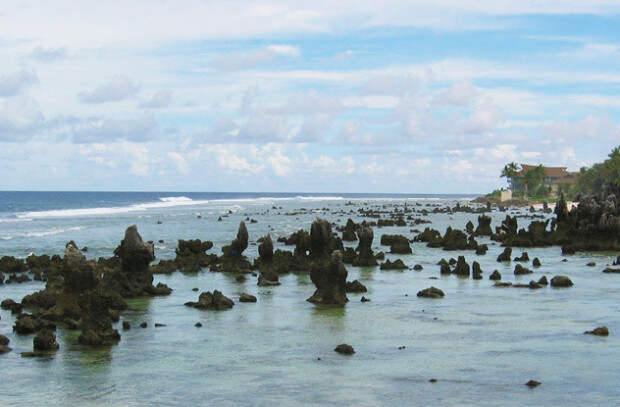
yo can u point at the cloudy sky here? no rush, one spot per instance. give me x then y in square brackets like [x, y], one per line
[303, 96]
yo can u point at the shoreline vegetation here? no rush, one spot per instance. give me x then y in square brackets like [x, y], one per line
[535, 193]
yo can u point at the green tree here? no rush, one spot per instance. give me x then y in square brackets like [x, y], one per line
[533, 179]
[510, 172]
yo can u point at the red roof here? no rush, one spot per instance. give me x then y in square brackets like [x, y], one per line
[550, 172]
[559, 173]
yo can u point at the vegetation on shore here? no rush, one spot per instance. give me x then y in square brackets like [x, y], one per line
[590, 180]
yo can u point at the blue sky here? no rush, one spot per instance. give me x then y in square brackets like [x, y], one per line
[412, 96]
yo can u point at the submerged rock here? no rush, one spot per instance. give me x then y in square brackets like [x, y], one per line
[431, 292]
[598, 331]
[561, 281]
[345, 349]
[212, 301]
[462, 268]
[533, 383]
[520, 270]
[505, 255]
[355, 287]
[495, 275]
[245, 297]
[395, 265]
[45, 340]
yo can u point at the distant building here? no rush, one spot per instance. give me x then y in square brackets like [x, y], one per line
[505, 195]
[554, 178]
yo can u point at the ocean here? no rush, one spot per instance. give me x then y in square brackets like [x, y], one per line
[479, 342]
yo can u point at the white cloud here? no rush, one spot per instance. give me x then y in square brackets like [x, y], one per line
[14, 83]
[180, 162]
[159, 99]
[460, 94]
[101, 130]
[116, 89]
[48, 54]
[245, 60]
[19, 118]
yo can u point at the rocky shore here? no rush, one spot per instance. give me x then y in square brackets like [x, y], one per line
[90, 295]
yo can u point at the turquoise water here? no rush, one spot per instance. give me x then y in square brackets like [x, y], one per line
[481, 343]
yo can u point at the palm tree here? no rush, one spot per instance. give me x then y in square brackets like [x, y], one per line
[510, 172]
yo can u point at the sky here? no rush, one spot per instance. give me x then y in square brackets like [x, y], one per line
[303, 96]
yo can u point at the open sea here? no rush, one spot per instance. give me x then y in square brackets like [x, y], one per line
[479, 342]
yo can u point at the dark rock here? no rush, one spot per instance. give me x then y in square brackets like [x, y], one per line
[520, 270]
[266, 279]
[395, 265]
[158, 325]
[126, 325]
[524, 257]
[143, 325]
[532, 383]
[45, 340]
[399, 244]
[198, 325]
[330, 277]
[11, 305]
[599, 331]
[444, 267]
[462, 268]
[561, 281]
[134, 278]
[591, 264]
[265, 249]
[349, 231]
[364, 299]
[418, 267]
[610, 270]
[502, 284]
[484, 226]
[240, 279]
[4, 340]
[365, 257]
[10, 265]
[431, 292]
[543, 281]
[191, 256]
[344, 349]
[355, 287]
[4, 349]
[534, 285]
[159, 290]
[244, 297]
[506, 255]
[536, 262]
[212, 301]
[233, 259]
[482, 249]
[322, 241]
[476, 271]
[495, 275]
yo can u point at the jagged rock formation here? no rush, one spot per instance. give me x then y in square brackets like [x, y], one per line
[365, 256]
[330, 278]
[399, 244]
[233, 259]
[593, 225]
[484, 226]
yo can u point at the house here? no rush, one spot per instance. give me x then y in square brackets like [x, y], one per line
[554, 178]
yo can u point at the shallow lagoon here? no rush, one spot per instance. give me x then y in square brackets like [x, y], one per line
[481, 343]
